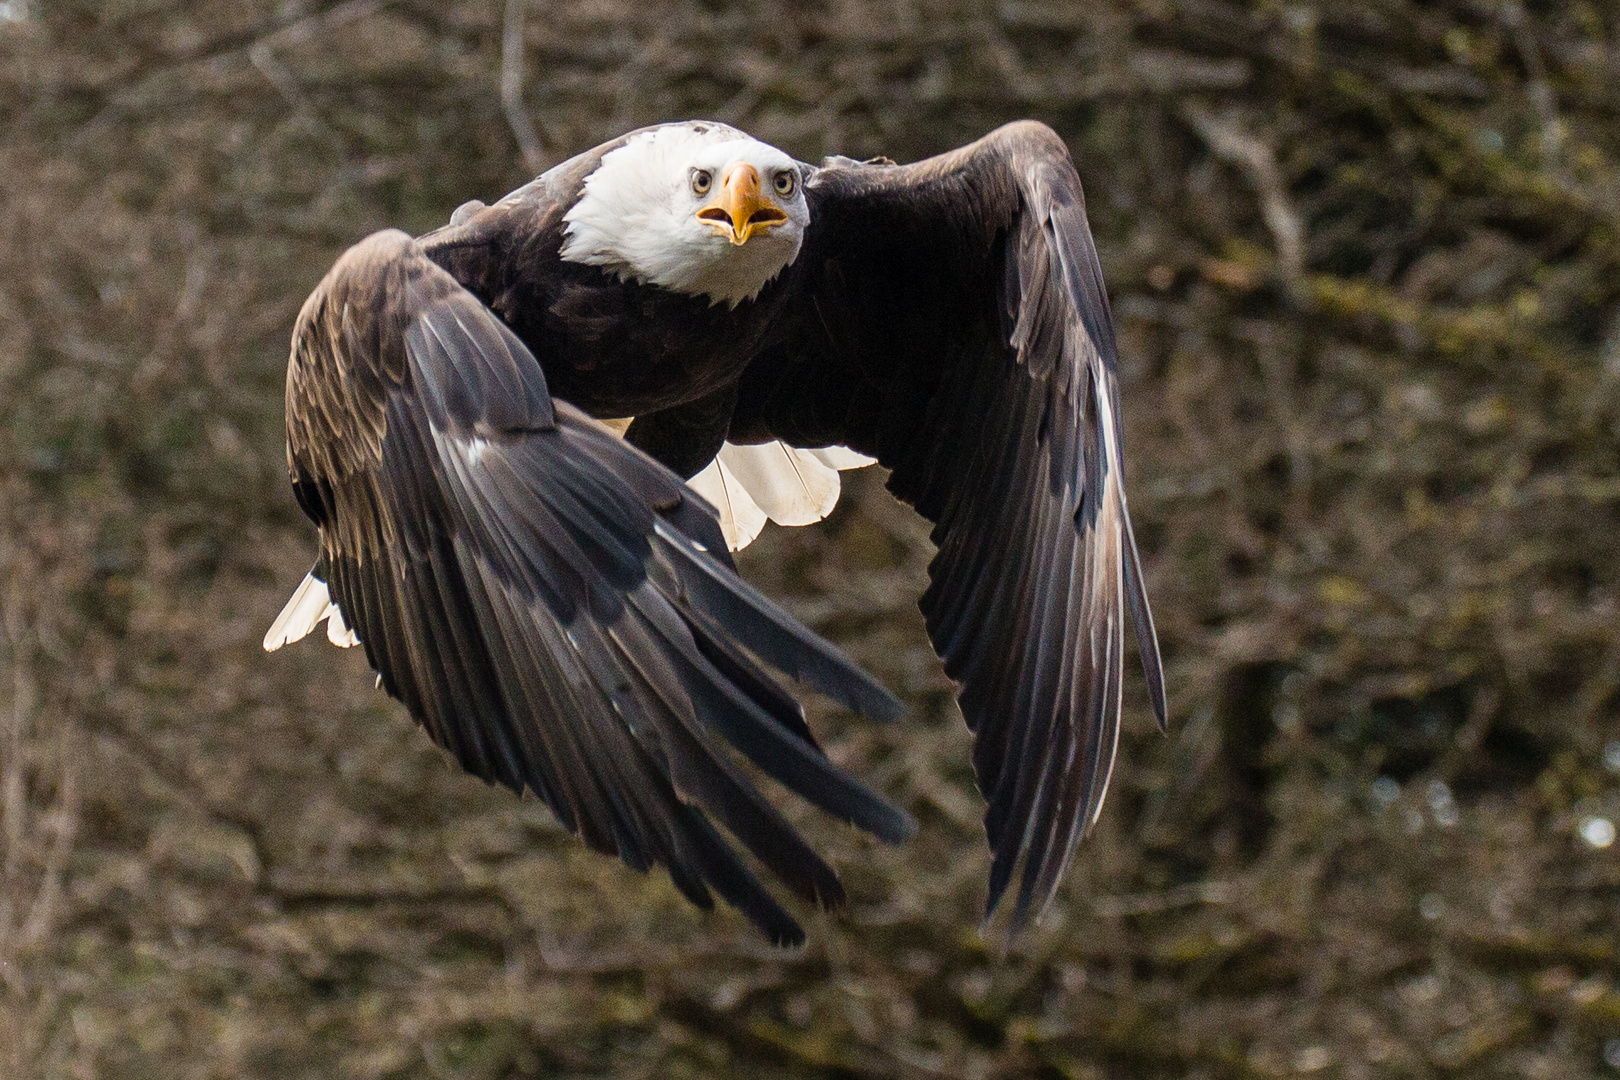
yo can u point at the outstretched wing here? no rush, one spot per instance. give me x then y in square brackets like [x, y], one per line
[950, 318]
[552, 605]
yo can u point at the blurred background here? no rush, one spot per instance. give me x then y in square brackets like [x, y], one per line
[1364, 261]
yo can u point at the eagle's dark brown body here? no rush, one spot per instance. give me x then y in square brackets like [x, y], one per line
[559, 612]
[611, 347]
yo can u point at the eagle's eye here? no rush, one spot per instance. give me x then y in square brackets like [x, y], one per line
[702, 179]
[783, 184]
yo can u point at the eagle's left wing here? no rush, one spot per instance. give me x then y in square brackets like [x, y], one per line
[949, 317]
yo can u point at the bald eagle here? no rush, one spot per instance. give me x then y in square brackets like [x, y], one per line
[561, 612]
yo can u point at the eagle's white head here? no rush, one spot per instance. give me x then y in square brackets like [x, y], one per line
[700, 208]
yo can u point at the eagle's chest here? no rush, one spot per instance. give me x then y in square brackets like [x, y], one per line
[624, 349]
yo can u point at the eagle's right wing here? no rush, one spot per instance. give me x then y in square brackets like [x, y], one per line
[551, 604]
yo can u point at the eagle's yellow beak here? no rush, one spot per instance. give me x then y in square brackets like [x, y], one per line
[739, 210]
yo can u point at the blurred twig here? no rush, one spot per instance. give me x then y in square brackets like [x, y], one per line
[264, 58]
[35, 841]
[1259, 163]
[528, 139]
[324, 22]
[1190, 894]
[257, 49]
[1539, 89]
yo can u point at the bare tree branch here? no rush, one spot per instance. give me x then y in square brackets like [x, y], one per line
[39, 816]
[528, 139]
[1539, 88]
[1259, 163]
[324, 21]
[143, 93]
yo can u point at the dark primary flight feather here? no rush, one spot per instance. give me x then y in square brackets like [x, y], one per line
[949, 318]
[550, 603]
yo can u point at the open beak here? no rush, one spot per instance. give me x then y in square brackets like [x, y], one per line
[739, 210]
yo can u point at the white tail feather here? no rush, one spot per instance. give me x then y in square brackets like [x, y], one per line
[774, 481]
[303, 612]
[841, 458]
[792, 486]
[337, 631]
[741, 519]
